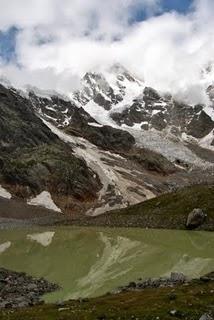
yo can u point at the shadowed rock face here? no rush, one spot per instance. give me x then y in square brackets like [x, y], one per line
[159, 112]
[59, 111]
[151, 161]
[19, 127]
[200, 125]
[105, 137]
[76, 121]
[33, 159]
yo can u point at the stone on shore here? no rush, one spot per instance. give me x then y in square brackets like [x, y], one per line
[195, 219]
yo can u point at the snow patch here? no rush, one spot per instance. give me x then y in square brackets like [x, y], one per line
[98, 113]
[51, 118]
[45, 238]
[94, 124]
[136, 126]
[44, 200]
[165, 144]
[209, 111]
[5, 246]
[50, 108]
[154, 112]
[207, 141]
[4, 193]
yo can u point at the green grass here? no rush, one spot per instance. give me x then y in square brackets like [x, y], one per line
[167, 211]
[190, 302]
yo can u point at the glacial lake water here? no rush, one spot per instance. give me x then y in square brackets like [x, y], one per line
[88, 262]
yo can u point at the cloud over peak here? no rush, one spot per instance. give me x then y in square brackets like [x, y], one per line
[58, 41]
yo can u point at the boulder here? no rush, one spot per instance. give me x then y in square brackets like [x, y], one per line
[151, 94]
[195, 218]
[200, 125]
[206, 316]
[158, 121]
[177, 277]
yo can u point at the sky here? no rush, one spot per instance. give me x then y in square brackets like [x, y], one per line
[50, 44]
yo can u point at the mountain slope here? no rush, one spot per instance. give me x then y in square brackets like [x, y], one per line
[168, 211]
[156, 121]
[36, 157]
[33, 159]
[114, 143]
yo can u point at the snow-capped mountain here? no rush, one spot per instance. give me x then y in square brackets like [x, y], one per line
[118, 99]
[122, 139]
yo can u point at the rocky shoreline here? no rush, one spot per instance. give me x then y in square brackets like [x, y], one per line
[162, 298]
[162, 282]
[175, 279]
[18, 290]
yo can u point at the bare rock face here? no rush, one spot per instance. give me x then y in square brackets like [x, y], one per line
[195, 219]
[105, 137]
[206, 316]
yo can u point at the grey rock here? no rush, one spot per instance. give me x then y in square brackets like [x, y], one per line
[176, 313]
[177, 277]
[195, 218]
[173, 312]
[206, 316]
[20, 290]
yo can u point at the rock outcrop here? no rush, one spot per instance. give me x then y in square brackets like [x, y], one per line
[206, 316]
[195, 219]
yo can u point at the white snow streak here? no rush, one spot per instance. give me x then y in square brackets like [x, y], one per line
[94, 124]
[44, 200]
[4, 193]
[4, 246]
[209, 111]
[108, 174]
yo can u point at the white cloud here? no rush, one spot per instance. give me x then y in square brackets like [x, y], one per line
[76, 17]
[168, 51]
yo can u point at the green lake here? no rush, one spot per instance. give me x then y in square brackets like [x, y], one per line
[88, 262]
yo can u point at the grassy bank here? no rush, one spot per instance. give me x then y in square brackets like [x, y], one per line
[189, 301]
[168, 211]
